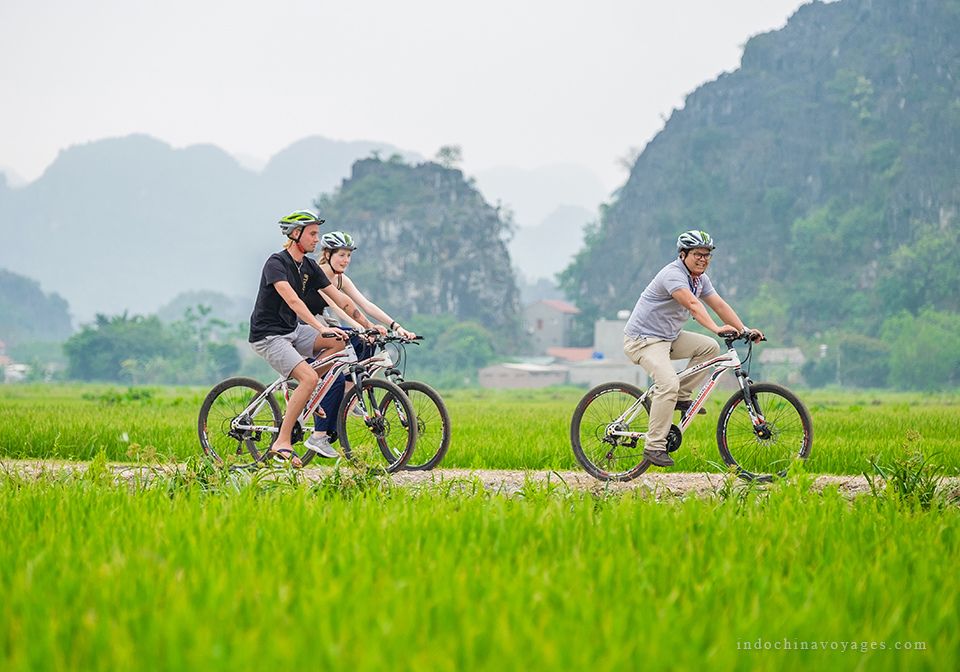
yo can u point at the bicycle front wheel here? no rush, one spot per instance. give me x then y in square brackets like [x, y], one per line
[760, 452]
[433, 425]
[376, 423]
[594, 428]
[226, 402]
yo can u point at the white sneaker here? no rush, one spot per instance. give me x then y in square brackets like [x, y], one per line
[357, 412]
[320, 444]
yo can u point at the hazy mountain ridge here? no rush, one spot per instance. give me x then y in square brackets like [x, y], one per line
[128, 223]
[532, 195]
[544, 250]
[27, 314]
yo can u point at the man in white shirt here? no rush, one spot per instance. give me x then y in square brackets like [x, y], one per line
[654, 336]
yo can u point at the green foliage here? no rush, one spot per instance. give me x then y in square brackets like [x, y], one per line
[141, 350]
[99, 350]
[925, 272]
[450, 156]
[451, 352]
[863, 361]
[924, 350]
[911, 479]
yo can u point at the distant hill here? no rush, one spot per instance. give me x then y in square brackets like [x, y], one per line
[11, 177]
[128, 223]
[233, 310]
[544, 250]
[27, 314]
[826, 167]
[317, 165]
[532, 195]
[429, 244]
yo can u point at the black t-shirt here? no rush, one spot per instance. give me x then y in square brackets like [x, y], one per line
[316, 301]
[271, 315]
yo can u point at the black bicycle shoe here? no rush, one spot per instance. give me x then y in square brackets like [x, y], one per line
[684, 406]
[658, 457]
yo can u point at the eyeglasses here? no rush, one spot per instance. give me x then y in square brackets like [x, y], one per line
[703, 256]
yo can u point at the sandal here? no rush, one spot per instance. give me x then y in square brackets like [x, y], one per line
[286, 454]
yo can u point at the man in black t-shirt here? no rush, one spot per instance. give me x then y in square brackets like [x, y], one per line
[278, 336]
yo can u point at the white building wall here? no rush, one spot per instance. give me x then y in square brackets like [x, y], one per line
[608, 339]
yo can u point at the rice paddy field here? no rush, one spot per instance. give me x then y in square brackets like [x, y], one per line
[201, 569]
[503, 429]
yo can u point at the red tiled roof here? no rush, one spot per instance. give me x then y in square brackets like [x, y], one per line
[561, 306]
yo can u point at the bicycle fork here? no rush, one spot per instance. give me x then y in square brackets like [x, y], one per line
[760, 427]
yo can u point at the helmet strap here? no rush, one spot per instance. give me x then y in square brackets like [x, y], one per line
[297, 239]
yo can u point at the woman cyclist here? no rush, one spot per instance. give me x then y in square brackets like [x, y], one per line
[336, 251]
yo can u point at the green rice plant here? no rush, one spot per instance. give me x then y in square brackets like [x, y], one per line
[97, 575]
[911, 479]
[491, 429]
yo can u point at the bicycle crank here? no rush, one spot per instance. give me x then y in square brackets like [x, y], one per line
[674, 438]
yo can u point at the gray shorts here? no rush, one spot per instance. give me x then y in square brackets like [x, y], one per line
[284, 352]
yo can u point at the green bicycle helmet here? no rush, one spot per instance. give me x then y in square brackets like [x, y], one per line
[694, 238]
[298, 219]
[337, 240]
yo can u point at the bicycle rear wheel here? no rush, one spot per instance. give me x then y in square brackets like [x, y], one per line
[603, 454]
[433, 425]
[386, 434]
[224, 403]
[766, 450]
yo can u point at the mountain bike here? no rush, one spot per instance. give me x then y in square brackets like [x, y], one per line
[240, 418]
[433, 419]
[762, 428]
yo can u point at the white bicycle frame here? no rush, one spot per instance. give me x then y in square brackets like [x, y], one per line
[720, 365]
[340, 360]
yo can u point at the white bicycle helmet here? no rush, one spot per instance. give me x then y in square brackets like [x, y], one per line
[694, 238]
[337, 240]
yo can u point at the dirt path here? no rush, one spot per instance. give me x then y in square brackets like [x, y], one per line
[505, 481]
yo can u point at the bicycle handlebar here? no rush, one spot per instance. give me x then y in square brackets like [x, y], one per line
[330, 334]
[390, 337]
[732, 337]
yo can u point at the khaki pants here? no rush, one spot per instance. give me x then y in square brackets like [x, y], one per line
[654, 355]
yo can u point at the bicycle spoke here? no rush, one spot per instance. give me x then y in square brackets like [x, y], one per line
[602, 453]
[768, 448]
[226, 402]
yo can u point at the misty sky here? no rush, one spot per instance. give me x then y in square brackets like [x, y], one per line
[519, 83]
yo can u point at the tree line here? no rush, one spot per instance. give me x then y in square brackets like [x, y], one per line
[200, 349]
